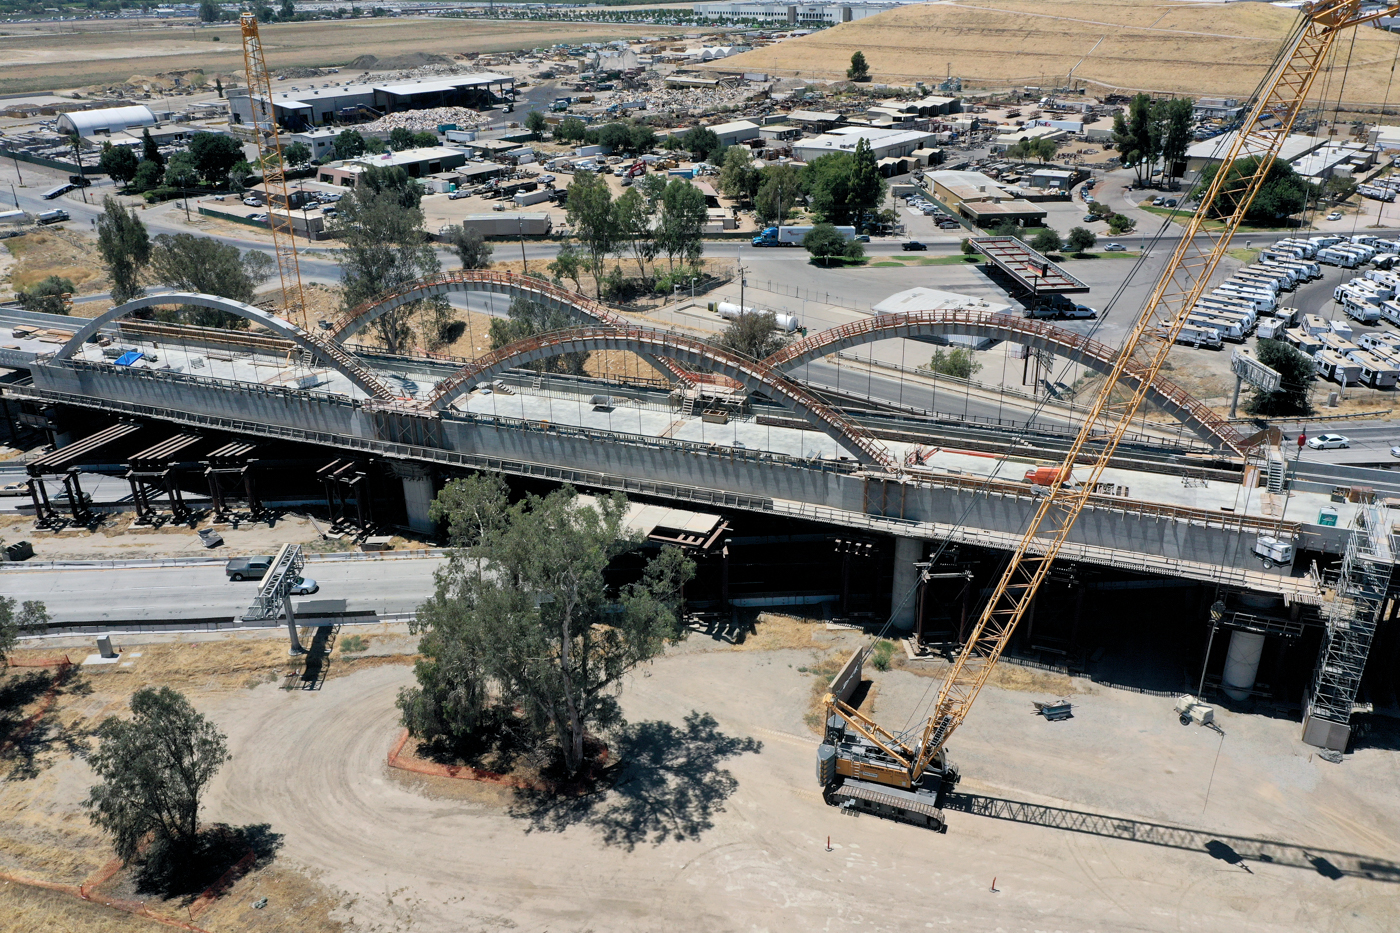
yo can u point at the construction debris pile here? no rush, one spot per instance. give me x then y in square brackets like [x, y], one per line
[419, 121]
[698, 101]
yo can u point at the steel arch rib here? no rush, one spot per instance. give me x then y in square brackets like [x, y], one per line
[332, 354]
[472, 280]
[1100, 357]
[754, 375]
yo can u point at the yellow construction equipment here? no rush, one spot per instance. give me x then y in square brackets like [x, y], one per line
[274, 171]
[905, 777]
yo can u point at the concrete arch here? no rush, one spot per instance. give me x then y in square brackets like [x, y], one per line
[1038, 335]
[331, 354]
[752, 374]
[475, 280]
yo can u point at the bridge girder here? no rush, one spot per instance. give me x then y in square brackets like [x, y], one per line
[752, 374]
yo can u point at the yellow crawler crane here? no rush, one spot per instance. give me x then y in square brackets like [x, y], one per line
[274, 171]
[904, 777]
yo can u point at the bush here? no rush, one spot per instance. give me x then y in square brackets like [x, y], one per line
[353, 644]
[162, 193]
[880, 657]
[957, 362]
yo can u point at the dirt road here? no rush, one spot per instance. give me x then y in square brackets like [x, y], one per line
[754, 856]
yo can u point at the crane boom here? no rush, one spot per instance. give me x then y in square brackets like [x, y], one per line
[1237, 181]
[274, 171]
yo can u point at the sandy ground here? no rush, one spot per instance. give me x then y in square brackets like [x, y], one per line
[1195, 49]
[33, 57]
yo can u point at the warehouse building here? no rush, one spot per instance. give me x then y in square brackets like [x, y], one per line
[300, 108]
[884, 143]
[794, 14]
[88, 123]
[982, 199]
[418, 163]
[1213, 150]
[735, 132]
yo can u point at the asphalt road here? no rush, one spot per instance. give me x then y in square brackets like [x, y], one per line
[191, 592]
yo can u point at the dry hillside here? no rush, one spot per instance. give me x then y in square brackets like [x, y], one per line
[1180, 48]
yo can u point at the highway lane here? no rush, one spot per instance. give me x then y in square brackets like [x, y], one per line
[192, 592]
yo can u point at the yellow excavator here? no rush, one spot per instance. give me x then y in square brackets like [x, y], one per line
[862, 766]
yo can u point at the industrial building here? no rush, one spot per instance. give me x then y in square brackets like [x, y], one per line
[418, 163]
[982, 199]
[88, 123]
[884, 143]
[795, 14]
[1213, 150]
[297, 108]
[735, 132]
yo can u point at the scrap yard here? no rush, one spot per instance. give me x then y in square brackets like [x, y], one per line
[884, 465]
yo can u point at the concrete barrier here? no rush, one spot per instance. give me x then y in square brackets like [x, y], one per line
[844, 684]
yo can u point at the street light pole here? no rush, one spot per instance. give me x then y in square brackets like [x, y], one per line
[524, 265]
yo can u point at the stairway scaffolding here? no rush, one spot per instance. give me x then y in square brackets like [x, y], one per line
[1275, 471]
[1351, 625]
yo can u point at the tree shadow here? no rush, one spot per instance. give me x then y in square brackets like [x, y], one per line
[30, 735]
[219, 852]
[666, 785]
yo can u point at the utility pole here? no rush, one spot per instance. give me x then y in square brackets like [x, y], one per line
[524, 265]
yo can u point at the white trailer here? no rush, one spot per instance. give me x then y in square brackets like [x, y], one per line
[1195, 335]
[1227, 329]
[1375, 372]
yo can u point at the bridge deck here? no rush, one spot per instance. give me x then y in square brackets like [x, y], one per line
[1032, 271]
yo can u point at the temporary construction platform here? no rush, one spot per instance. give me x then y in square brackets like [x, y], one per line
[1029, 269]
[65, 462]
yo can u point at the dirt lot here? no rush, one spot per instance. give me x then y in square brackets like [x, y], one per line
[54, 251]
[32, 57]
[1102, 822]
[1134, 45]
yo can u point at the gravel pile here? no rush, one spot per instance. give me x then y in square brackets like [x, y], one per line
[419, 121]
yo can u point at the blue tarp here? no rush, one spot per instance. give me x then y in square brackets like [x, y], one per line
[129, 357]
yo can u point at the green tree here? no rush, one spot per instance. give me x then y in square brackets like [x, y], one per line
[825, 243]
[193, 263]
[1120, 223]
[1340, 187]
[209, 11]
[240, 173]
[258, 266]
[16, 620]
[152, 770]
[737, 176]
[348, 144]
[375, 146]
[47, 295]
[754, 335]
[181, 171]
[287, 11]
[214, 155]
[591, 216]
[1081, 240]
[860, 69]
[541, 633]
[148, 175]
[1047, 241]
[967, 248]
[681, 230]
[400, 138]
[568, 264]
[150, 151]
[641, 138]
[125, 248]
[632, 220]
[1043, 148]
[844, 186]
[701, 142]
[867, 188]
[1297, 371]
[470, 246]
[119, 162]
[424, 139]
[1176, 138]
[384, 247]
[528, 318]
[219, 86]
[957, 362]
[571, 129]
[1283, 193]
[297, 154]
[1135, 138]
[779, 188]
[536, 123]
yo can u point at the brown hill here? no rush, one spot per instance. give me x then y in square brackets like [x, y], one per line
[1220, 49]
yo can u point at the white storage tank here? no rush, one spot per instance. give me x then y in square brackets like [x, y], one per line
[787, 323]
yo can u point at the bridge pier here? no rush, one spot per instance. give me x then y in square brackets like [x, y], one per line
[417, 494]
[906, 552]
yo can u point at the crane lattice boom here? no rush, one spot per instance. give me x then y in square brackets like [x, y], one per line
[274, 171]
[1236, 183]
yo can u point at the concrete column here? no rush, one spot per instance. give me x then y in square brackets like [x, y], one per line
[417, 494]
[906, 552]
[1242, 664]
[295, 648]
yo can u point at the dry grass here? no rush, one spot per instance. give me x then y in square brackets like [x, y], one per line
[56, 252]
[1178, 48]
[97, 53]
[294, 902]
[25, 910]
[1005, 675]
[821, 673]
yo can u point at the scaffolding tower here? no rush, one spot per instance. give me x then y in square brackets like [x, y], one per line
[1355, 611]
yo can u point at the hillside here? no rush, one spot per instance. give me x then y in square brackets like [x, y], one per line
[1219, 49]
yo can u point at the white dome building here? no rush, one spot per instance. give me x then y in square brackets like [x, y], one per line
[88, 123]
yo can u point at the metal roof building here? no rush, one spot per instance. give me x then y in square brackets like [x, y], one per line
[105, 122]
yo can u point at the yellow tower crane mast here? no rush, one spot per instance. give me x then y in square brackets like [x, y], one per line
[864, 766]
[273, 169]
